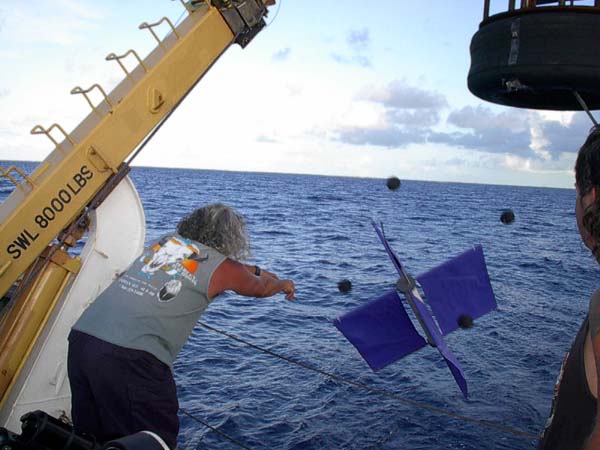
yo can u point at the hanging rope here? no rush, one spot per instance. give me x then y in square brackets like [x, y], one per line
[377, 391]
[276, 13]
[584, 106]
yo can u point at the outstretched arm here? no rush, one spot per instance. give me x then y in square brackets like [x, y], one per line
[237, 277]
[593, 442]
[262, 272]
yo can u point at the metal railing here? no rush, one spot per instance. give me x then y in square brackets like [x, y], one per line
[532, 4]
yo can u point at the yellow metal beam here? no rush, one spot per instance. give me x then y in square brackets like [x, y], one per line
[26, 320]
[79, 167]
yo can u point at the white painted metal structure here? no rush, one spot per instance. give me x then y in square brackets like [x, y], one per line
[115, 239]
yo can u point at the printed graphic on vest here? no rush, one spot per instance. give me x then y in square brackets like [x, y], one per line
[169, 291]
[178, 258]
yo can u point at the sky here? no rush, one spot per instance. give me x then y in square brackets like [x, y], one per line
[352, 88]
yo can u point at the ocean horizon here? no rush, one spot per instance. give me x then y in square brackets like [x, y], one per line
[317, 231]
[31, 165]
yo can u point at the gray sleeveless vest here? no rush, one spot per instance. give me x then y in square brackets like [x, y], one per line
[154, 305]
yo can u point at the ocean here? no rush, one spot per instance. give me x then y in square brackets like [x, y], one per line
[291, 381]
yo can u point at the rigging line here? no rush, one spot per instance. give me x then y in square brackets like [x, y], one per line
[381, 392]
[216, 430]
[585, 107]
[276, 13]
[179, 19]
[170, 113]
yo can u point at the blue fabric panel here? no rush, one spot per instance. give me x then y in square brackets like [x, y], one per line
[458, 287]
[380, 330]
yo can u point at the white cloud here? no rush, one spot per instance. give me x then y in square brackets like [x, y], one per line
[266, 139]
[398, 94]
[521, 140]
[359, 60]
[560, 138]
[404, 113]
[563, 166]
[483, 118]
[277, 108]
[282, 55]
[490, 140]
[358, 41]
[520, 133]
[390, 137]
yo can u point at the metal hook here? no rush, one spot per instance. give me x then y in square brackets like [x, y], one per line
[118, 58]
[78, 90]
[38, 129]
[152, 25]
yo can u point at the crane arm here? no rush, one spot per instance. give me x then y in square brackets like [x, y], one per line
[85, 160]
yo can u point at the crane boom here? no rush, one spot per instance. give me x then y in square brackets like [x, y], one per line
[83, 162]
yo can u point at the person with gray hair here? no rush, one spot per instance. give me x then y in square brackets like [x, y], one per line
[122, 348]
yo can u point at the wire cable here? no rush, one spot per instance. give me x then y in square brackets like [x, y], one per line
[216, 430]
[377, 391]
[276, 13]
[585, 107]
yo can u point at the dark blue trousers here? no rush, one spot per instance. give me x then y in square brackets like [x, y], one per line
[118, 391]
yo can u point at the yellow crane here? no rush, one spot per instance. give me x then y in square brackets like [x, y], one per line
[49, 210]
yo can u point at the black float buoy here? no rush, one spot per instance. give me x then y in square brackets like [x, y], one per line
[536, 56]
[465, 321]
[393, 183]
[507, 217]
[345, 286]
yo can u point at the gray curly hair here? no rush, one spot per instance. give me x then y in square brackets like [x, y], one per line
[217, 226]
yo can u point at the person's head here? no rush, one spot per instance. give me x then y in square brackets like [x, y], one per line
[587, 182]
[217, 226]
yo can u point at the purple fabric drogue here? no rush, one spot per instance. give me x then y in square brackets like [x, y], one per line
[459, 287]
[382, 331]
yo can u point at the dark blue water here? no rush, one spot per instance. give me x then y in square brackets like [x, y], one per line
[316, 230]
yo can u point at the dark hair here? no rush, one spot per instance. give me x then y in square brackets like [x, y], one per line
[587, 177]
[217, 226]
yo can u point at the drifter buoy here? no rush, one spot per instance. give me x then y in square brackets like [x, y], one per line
[507, 217]
[345, 286]
[393, 183]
